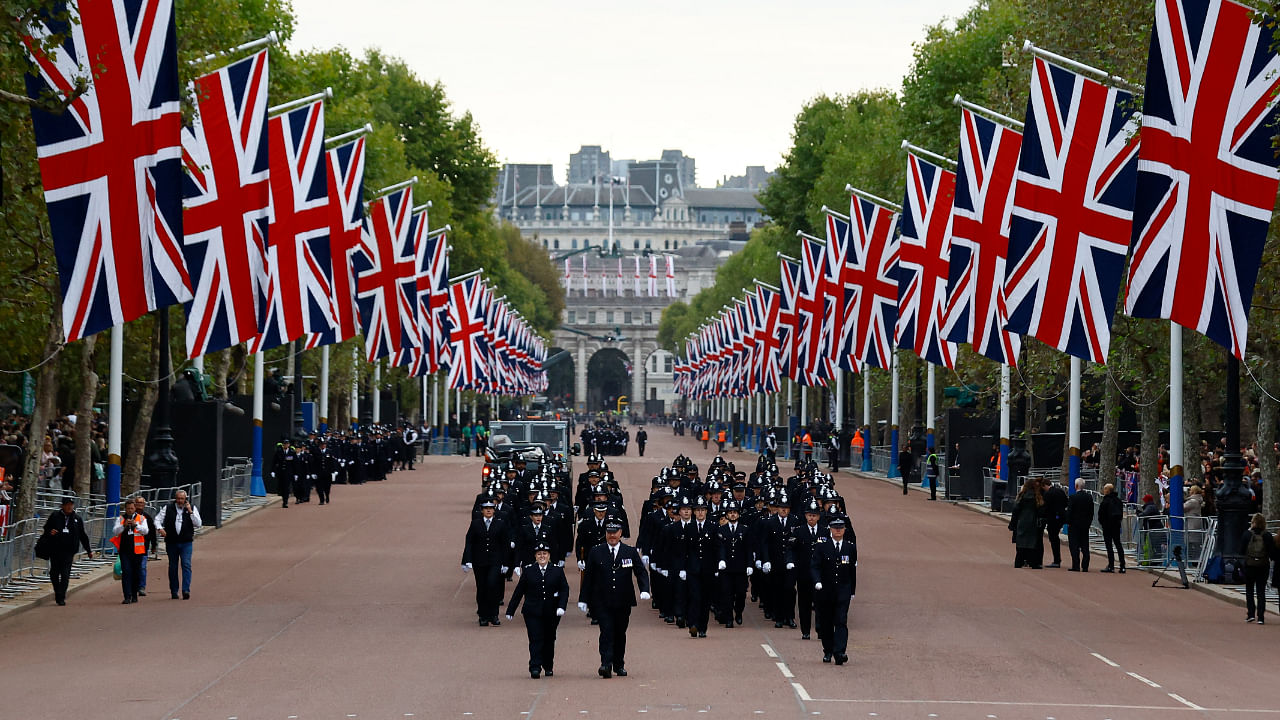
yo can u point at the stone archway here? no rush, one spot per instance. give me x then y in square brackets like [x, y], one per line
[608, 377]
[560, 378]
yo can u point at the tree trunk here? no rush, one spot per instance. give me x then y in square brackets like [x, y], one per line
[1267, 411]
[1191, 433]
[84, 417]
[1110, 446]
[1149, 454]
[131, 474]
[221, 364]
[46, 391]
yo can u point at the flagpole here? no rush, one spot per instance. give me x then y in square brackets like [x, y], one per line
[1073, 427]
[873, 199]
[324, 389]
[269, 39]
[115, 406]
[839, 397]
[1005, 428]
[987, 113]
[1101, 75]
[931, 410]
[866, 421]
[355, 388]
[446, 410]
[376, 391]
[338, 139]
[326, 94]
[1175, 427]
[893, 418]
[256, 486]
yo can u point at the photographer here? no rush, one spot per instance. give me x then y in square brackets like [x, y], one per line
[178, 522]
[66, 528]
[130, 539]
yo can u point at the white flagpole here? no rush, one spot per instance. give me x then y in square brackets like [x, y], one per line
[355, 387]
[445, 432]
[866, 421]
[1176, 449]
[435, 403]
[1005, 427]
[377, 392]
[115, 406]
[931, 410]
[1073, 427]
[324, 389]
[804, 406]
[839, 397]
[256, 487]
[893, 418]
[198, 364]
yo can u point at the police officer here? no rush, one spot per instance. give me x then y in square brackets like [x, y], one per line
[545, 592]
[608, 594]
[806, 537]
[702, 565]
[642, 437]
[736, 559]
[833, 570]
[488, 552]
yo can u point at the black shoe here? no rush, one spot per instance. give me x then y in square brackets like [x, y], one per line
[534, 674]
[826, 657]
[186, 596]
[173, 596]
[669, 620]
[804, 636]
[693, 631]
[143, 593]
[791, 624]
[484, 622]
[841, 658]
[595, 621]
[605, 672]
[755, 599]
[1107, 569]
[778, 624]
[1073, 569]
[495, 622]
[702, 633]
[1122, 570]
[61, 602]
[1055, 564]
[728, 625]
[679, 622]
[126, 601]
[620, 672]
[550, 672]
[737, 619]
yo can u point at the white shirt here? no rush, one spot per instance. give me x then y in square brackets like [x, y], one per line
[140, 528]
[196, 522]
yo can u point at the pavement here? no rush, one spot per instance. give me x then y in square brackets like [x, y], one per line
[359, 609]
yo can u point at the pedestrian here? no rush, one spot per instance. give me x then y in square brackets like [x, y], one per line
[608, 595]
[178, 523]
[66, 532]
[906, 465]
[545, 592]
[1079, 519]
[720, 436]
[153, 539]
[931, 467]
[833, 571]
[1055, 515]
[706, 435]
[736, 558]
[806, 537]
[130, 538]
[833, 451]
[642, 437]
[282, 469]
[1110, 515]
[1025, 523]
[487, 551]
[466, 440]
[1259, 547]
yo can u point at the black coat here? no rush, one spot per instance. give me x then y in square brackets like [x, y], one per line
[804, 542]
[609, 585]
[833, 569]
[735, 548]
[1055, 505]
[488, 547]
[67, 532]
[703, 548]
[543, 592]
[672, 552]
[527, 538]
[1110, 512]
[1080, 510]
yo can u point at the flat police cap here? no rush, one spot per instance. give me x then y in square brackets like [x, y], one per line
[542, 546]
[836, 522]
[613, 525]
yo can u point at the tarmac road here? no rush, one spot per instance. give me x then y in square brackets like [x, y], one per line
[360, 610]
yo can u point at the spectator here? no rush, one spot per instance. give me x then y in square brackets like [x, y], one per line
[1259, 548]
[1079, 517]
[178, 522]
[1025, 524]
[1110, 515]
[67, 530]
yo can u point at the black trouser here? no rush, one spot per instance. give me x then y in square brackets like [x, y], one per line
[60, 574]
[783, 605]
[1055, 542]
[680, 596]
[322, 488]
[488, 591]
[733, 594]
[542, 641]
[1078, 543]
[1029, 556]
[698, 611]
[613, 634]
[130, 573]
[1255, 581]
[1111, 538]
[804, 599]
[640, 445]
[832, 605]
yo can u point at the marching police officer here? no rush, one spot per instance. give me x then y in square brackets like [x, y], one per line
[833, 569]
[488, 552]
[702, 564]
[545, 592]
[736, 558]
[608, 594]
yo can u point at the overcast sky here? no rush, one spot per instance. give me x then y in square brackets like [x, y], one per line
[721, 80]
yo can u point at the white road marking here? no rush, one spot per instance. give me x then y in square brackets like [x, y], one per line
[1105, 660]
[786, 672]
[1139, 678]
[1185, 701]
[768, 650]
[800, 691]
[1008, 703]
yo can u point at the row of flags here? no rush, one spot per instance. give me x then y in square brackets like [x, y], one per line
[642, 285]
[1030, 233]
[242, 216]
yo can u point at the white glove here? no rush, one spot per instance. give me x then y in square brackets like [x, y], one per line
[513, 546]
[817, 586]
[560, 564]
[666, 573]
[791, 566]
[582, 565]
[559, 612]
[644, 596]
[757, 564]
[518, 571]
[582, 607]
[722, 565]
[511, 617]
[505, 569]
[750, 570]
[684, 575]
[466, 567]
[645, 559]
[768, 568]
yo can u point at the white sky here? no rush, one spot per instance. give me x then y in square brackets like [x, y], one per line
[718, 79]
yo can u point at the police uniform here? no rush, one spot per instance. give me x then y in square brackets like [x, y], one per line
[833, 570]
[545, 592]
[607, 592]
[488, 552]
[738, 559]
[702, 563]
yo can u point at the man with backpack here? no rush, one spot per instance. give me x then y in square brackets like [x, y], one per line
[1259, 548]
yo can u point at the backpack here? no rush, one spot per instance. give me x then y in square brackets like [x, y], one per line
[1256, 553]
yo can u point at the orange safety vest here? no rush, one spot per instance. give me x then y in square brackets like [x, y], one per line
[720, 436]
[856, 442]
[139, 541]
[807, 440]
[706, 435]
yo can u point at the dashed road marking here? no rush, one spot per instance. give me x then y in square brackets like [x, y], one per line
[768, 650]
[1185, 701]
[1139, 678]
[801, 692]
[786, 672]
[1105, 660]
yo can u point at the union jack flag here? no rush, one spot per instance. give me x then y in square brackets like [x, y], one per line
[872, 277]
[789, 279]
[226, 206]
[813, 362]
[841, 295]
[433, 296]
[469, 345]
[924, 259]
[1206, 171]
[976, 311]
[345, 165]
[111, 162]
[767, 306]
[387, 277]
[300, 271]
[1072, 212]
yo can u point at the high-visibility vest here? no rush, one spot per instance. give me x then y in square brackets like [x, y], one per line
[706, 435]
[856, 442]
[720, 436]
[807, 440]
[139, 540]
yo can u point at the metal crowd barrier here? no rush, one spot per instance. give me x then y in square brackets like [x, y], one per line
[234, 487]
[446, 446]
[880, 459]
